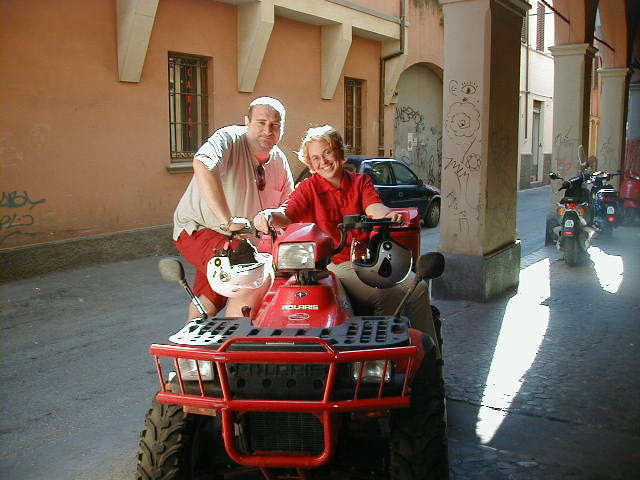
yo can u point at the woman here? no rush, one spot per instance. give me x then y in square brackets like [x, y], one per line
[324, 198]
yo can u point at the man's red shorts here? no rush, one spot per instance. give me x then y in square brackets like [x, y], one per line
[198, 248]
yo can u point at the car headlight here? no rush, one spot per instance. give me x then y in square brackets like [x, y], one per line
[189, 369]
[297, 256]
[372, 371]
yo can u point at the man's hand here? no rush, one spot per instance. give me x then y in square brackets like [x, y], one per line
[262, 221]
[235, 224]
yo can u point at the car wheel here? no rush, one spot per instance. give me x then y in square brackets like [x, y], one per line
[431, 217]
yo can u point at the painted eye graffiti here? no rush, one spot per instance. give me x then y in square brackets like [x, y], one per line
[469, 88]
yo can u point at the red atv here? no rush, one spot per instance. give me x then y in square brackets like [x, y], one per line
[307, 389]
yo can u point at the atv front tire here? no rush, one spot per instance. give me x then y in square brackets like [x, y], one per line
[175, 446]
[164, 443]
[418, 447]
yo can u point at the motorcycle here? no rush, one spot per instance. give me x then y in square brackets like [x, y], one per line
[630, 197]
[306, 385]
[605, 202]
[573, 231]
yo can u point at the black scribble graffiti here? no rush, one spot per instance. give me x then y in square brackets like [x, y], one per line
[453, 87]
[562, 138]
[406, 114]
[16, 199]
[463, 120]
[459, 213]
[12, 221]
[473, 162]
[424, 154]
[461, 173]
[606, 150]
[469, 88]
[12, 224]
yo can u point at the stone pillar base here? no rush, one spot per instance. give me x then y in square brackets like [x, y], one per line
[476, 278]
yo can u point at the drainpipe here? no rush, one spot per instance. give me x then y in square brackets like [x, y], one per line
[383, 61]
[526, 79]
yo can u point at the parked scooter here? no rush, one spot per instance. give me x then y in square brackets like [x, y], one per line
[605, 202]
[574, 232]
[630, 197]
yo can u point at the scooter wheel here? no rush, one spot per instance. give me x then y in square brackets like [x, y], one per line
[571, 251]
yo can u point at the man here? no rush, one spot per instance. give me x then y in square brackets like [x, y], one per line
[237, 172]
[324, 198]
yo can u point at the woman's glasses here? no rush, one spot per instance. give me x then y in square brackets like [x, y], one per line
[260, 179]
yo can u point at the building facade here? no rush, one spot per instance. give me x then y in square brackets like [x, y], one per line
[104, 102]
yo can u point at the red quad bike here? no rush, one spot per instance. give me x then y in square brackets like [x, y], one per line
[305, 390]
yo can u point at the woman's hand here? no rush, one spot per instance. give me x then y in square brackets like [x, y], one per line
[395, 217]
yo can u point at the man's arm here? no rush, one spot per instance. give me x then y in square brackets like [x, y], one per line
[271, 216]
[211, 190]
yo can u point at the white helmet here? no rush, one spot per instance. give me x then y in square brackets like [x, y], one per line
[234, 271]
[383, 263]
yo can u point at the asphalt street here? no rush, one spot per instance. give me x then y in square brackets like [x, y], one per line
[541, 384]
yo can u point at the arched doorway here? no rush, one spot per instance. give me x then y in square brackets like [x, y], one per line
[418, 122]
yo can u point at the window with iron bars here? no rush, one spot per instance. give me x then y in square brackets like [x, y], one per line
[188, 115]
[353, 115]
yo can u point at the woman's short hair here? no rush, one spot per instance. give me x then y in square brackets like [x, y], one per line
[327, 133]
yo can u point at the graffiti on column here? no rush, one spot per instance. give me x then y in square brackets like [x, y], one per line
[462, 127]
[566, 150]
[606, 155]
[424, 150]
[18, 218]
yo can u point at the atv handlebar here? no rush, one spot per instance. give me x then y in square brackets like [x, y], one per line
[361, 222]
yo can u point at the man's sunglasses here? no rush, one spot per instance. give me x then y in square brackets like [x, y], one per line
[261, 181]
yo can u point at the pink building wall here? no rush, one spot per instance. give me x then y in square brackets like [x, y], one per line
[85, 154]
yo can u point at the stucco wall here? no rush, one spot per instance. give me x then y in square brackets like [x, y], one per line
[84, 154]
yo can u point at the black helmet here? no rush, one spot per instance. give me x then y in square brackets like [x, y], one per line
[383, 263]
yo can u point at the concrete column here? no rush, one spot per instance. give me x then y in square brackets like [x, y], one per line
[480, 148]
[613, 103]
[571, 90]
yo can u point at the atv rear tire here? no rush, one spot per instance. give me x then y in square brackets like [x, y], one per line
[418, 447]
[175, 446]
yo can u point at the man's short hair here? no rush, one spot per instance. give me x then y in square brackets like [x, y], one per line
[269, 102]
[327, 133]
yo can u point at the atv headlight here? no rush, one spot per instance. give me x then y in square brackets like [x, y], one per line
[372, 371]
[296, 256]
[189, 369]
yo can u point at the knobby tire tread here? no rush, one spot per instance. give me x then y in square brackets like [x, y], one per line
[418, 448]
[163, 443]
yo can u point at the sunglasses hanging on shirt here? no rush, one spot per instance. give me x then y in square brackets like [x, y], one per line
[261, 181]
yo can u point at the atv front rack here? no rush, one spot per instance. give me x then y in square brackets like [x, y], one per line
[256, 351]
[360, 332]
